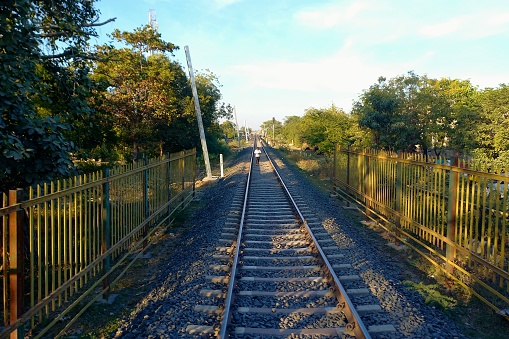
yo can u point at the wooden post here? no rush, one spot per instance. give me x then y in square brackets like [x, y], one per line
[106, 242]
[198, 114]
[16, 267]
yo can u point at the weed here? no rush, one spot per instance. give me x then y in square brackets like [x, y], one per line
[432, 295]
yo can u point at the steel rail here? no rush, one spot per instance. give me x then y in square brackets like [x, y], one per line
[355, 324]
[223, 331]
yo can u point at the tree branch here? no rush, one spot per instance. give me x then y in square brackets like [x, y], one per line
[62, 33]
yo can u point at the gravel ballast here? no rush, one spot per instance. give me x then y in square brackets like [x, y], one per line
[168, 309]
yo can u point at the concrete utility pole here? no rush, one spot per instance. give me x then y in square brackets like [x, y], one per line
[198, 114]
[245, 130]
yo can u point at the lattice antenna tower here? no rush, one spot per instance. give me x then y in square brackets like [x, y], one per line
[152, 23]
[152, 19]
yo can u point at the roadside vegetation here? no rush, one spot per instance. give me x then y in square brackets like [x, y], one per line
[69, 106]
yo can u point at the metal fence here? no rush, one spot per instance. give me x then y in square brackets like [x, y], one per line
[65, 240]
[455, 216]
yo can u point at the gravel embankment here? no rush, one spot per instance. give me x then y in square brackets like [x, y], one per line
[168, 309]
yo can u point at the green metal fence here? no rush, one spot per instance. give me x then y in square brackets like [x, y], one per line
[455, 216]
[64, 240]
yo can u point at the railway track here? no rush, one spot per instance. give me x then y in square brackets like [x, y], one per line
[278, 275]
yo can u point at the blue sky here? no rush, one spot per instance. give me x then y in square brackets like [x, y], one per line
[276, 58]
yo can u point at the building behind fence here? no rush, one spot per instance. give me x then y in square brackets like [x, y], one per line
[455, 216]
[64, 240]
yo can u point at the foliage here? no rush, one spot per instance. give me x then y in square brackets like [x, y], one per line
[320, 129]
[431, 295]
[43, 55]
[228, 129]
[493, 127]
[409, 111]
[453, 115]
[143, 92]
[272, 130]
[292, 130]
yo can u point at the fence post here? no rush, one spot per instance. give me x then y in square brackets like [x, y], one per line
[106, 243]
[450, 250]
[348, 176]
[221, 165]
[399, 194]
[16, 267]
[168, 183]
[183, 179]
[367, 188]
[146, 205]
[194, 169]
[334, 163]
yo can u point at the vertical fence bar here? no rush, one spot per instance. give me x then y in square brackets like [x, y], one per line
[5, 261]
[146, 205]
[16, 269]
[451, 219]
[399, 193]
[348, 176]
[183, 180]
[168, 182]
[106, 243]
[221, 165]
[367, 184]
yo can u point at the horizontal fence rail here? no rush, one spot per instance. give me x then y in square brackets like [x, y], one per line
[455, 216]
[62, 241]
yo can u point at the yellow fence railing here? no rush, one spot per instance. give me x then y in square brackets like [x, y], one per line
[456, 216]
[62, 241]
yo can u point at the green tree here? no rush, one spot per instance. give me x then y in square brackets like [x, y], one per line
[43, 55]
[325, 127]
[292, 130]
[272, 130]
[228, 129]
[409, 111]
[376, 110]
[144, 92]
[493, 127]
[453, 115]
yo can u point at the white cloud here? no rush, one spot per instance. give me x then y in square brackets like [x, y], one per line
[472, 26]
[443, 28]
[224, 3]
[332, 15]
[342, 75]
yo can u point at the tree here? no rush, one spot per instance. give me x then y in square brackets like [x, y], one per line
[376, 110]
[493, 127]
[144, 93]
[325, 127]
[228, 129]
[409, 111]
[43, 53]
[272, 129]
[292, 130]
[452, 115]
